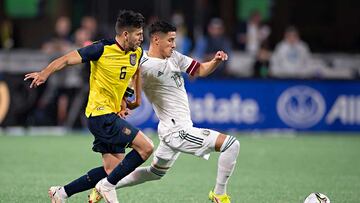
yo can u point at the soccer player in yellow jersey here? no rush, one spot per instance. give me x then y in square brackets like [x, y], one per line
[113, 63]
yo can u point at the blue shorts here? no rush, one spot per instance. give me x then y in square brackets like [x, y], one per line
[112, 133]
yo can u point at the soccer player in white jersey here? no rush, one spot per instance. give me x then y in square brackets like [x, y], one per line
[163, 85]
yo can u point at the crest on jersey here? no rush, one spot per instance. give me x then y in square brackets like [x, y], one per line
[133, 59]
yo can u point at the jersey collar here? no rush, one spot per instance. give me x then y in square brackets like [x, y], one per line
[117, 43]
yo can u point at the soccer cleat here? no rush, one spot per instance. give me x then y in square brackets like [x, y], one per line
[54, 195]
[108, 193]
[219, 198]
[94, 196]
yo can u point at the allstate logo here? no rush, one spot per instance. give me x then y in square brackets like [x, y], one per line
[141, 114]
[301, 107]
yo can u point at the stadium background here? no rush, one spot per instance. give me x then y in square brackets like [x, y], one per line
[299, 133]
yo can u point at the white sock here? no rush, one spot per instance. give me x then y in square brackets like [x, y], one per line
[62, 193]
[140, 175]
[107, 184]
[226, 164]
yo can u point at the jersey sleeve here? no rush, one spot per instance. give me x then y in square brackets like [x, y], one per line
[187, 64]
[143, 60]
[141, 56]
[91, 52]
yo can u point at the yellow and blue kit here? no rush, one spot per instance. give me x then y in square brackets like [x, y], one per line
[111, 70]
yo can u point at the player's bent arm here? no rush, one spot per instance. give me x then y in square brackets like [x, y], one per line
[123, 111]
[137, 85]
[207, 68]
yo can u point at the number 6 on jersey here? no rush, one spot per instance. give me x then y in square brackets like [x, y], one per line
[123, 72]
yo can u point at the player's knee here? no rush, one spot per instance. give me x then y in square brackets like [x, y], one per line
[151, 146]
[108, 169]
[143, 145]
[147, 150]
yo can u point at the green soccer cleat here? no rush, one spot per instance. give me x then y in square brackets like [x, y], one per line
[219, 198]
[94, 196]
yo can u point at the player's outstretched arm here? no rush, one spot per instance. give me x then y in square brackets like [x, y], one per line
[208, 67]
[137, 85]
[39, 78]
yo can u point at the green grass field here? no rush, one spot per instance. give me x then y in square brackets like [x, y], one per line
[269, 169]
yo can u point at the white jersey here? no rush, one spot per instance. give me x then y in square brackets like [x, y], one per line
[163, 85]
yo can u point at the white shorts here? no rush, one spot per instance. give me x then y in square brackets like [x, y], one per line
[196, 141]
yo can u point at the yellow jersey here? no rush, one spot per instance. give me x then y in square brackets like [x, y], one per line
[111, 70]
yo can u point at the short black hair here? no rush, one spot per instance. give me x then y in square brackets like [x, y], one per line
[291, 28]
[161, 26]
[129, 18]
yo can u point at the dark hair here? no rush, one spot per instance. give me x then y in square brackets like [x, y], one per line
[161, 26]
[291, 29]
[129, 18]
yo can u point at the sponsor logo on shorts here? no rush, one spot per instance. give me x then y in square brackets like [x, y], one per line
[126, 131]
[206, 132]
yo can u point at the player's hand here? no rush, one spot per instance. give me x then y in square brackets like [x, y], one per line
[38, 78]
[132, 105]
[221, 56]
[124, 113]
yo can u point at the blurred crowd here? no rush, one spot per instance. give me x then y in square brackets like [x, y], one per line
[66, 91]
[251, 54]
[64, 95]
